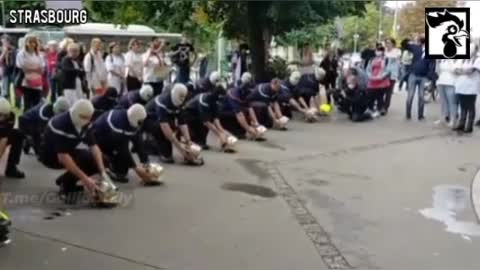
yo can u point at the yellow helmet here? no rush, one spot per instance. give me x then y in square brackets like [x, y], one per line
[326, 108]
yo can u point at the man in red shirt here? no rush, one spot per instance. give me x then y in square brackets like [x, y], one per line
[51, 56]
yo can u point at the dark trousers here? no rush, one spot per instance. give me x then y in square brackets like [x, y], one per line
[330, 86]
[15, 140]
[388, 95]
[376, 98]
[118, 158]
[183, 75]
[230, 123]
[198, 131]
[467, 110]
[52, 83]
[84, 160]
[33, 133]
[163, 145]
[157, 87]
[261, 111]
[31, 97]
[133, 83]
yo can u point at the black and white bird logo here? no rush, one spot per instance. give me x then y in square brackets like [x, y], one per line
[453, 29]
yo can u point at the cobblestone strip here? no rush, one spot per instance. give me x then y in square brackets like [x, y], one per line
[330, 254]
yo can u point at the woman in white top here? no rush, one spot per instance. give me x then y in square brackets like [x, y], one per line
[115, 64]
[393, 55]
[466, 88]
[32, 65]
[95, 69]
[134, 64]
[155, 70]
[446, 90]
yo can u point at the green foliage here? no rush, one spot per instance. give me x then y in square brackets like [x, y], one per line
[276, 68]
[310, 34]
[366, 25]
[14, 4]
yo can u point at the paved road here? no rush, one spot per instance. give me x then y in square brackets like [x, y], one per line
[389, 194]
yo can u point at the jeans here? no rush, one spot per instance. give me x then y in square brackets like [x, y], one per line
[449, 102]
[467, 110]
[8, 80]
[377, 97]
[415, 81]
[403, 78]
[52, 83]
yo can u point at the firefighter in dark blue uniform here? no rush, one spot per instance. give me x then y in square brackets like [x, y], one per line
[309, 88]
[106, 102]
[32, 123]
[113, 132]
[10, 136]
[289, 96]
[207, 84]
[236, 114]
[202, 115]
[164, 115]
[58, 150]
[142, 96]
[264, 100]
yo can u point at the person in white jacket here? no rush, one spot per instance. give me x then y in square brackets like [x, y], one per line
[466, 89]
[115, 64]
[95, 69]
[446, 90]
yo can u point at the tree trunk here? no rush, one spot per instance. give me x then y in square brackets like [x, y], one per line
[256, 26]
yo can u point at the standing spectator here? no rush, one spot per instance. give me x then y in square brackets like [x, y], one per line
[239, 63]
[73, 74]
[52, 56]
[62, 46]
[7, 61]
[423, 70]
[378, 72]
[134, 65]
[330, 65]
[446, 89]
[155, 70]
[96, 72]
[32, 66]
[182, 57]
[393, 54]
[115, 64]
[406, 64]
[368, 54]
[466, 88]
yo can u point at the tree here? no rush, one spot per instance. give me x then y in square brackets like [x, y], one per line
[412, 16]
[265, 19]
[14, 4]
[366, 26]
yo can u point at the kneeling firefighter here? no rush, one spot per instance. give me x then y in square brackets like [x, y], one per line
[58, 150]
[113, 132]
[164, 119]
[32, 123]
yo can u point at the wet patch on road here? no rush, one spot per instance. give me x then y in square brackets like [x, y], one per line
[449, 201]
[254, 167]
[250, 189]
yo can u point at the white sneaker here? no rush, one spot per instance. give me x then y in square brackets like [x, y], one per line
[375, 114]
[438, 122]
[451, 124]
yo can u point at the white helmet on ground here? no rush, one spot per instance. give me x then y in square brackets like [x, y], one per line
[81, 113]
[319, 73]
[246, 77]
[5, 107]
[214, 78]
[136, 114]
[146, 92]
[295, 78]
[179, 94]
[61, 105]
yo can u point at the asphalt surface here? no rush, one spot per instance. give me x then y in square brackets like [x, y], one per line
[387, 194]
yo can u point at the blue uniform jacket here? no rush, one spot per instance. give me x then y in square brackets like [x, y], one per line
[162, 109]
[204, 106]
[129, 99]
[40, 114]
[263, 93]
[236, 99]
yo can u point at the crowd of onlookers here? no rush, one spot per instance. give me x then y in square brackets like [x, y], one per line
[69, 69]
